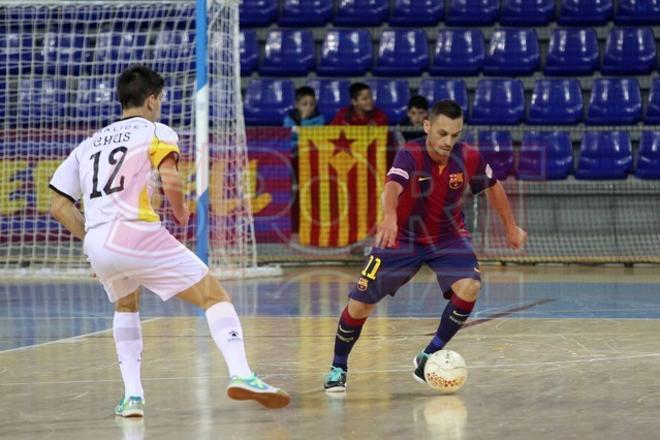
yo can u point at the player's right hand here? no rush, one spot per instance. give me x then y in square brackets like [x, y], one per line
[181, 216]
[516, 238]
[386, 233]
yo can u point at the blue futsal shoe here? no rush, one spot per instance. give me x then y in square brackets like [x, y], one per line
[420, 362]
[335, 381]
[253, 388]
[132, 406]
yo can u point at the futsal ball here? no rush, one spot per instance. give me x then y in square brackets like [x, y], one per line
[445, 371]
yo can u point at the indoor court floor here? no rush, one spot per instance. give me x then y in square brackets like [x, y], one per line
[553, 352]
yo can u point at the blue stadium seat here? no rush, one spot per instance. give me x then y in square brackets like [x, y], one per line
[26, 18]
[64, 53]
[407, 12]
[173, 45]
[632, 12]
[512, 52]
[472, 12]
[402, 52]
[177, 108]
[572, 52]
[361, 12]
[527, 12]
[114, 51]
[604, 155]
[257, 13]
[496, 147]
[136, 18]
[458, 52]
[268, 100]
[653, 109]
[556, 101]
[331, 95]
[15, 53]
[249, 52]
[545, 155]
[181, 18]
[629, 51]
[305, 12]
[346, 53]
[96, 101]
[288, 52]
[42, 99]
[435, 90]
[614, 102]
[498, 101]
[4, 99]
[648, 162]
[84, 16]
[391, 96]
[585, 12]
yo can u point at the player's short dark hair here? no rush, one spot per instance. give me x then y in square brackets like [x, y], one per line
[418, 101]
[303, 91]
[136, 84]
[357, 88]
[446, 107]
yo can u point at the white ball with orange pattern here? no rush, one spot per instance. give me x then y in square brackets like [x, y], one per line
[445, 371]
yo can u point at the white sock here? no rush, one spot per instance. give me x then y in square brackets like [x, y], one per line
[228, 336]
[127, 333]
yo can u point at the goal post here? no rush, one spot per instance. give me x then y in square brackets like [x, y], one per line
[202, 131]
[59, 60]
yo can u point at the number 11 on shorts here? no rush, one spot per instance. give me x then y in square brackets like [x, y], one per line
[372, 267]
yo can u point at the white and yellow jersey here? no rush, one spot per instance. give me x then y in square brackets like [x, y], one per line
[114, 170]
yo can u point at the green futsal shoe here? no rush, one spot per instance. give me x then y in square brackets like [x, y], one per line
[132, 406]
[335, 380]
[420, 362]
[253, 388]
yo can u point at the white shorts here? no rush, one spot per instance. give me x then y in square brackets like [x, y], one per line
[127, 255]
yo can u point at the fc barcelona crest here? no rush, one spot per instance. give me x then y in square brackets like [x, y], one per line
[455, 180]
[362, 284]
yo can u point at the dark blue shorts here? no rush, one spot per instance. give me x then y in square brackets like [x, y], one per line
[388, 269]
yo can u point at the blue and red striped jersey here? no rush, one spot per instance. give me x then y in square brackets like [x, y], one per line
[430, 208]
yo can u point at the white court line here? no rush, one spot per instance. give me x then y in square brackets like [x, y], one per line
[485, 366]
[46, 318]
[69, 339]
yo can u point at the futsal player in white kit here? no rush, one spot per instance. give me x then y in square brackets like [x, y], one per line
[113, 172]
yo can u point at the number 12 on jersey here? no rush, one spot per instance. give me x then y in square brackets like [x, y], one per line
[113, 160]
[372, 267]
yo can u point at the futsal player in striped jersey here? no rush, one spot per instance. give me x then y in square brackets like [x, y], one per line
[422, 223]
[113, 171]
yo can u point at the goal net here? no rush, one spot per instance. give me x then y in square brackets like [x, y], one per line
[59, 61]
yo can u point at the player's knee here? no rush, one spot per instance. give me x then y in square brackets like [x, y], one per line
[467, 289]
[128, 304]
[215, 294]
[213, 300]
[127, 307]
[358, 309]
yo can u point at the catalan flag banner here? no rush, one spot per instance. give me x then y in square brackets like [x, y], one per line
[341, 175]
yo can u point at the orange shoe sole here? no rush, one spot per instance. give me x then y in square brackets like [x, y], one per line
[280, 399]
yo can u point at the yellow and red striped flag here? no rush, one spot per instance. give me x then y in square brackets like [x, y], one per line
[341, 175]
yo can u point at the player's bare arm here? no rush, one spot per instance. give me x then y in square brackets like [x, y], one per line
[65, 212]
[173, 188]
[387, 229]
[515, 236]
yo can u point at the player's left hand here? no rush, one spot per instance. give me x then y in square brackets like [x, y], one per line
[516, 238]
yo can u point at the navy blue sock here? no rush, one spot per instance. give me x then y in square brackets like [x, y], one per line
[453, 318]
[348, 332]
